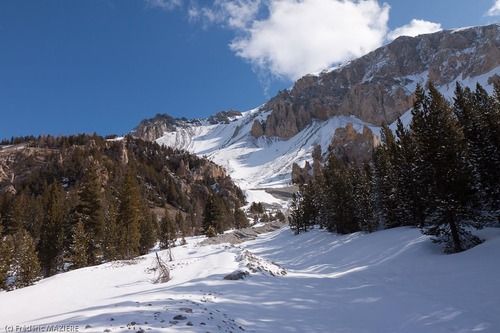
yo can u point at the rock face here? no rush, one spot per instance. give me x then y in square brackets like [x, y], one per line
[378, 87]
[353, 146]
[153, 128]
[223, 117]
[257, 129]
[370, 90]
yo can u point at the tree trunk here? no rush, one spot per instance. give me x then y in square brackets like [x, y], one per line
[457, 244]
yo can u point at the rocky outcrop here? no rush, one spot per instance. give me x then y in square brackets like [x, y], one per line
[352, 146]
[378, 87]
[257, 129]
[224, 117]
[301, 175]
[154, 128]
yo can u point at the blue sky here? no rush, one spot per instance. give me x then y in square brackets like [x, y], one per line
[103, 65]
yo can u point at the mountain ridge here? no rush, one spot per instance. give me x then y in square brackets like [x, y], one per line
[259, 147]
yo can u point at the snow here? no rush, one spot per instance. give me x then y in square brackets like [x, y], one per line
[389, 281]
[256, 164]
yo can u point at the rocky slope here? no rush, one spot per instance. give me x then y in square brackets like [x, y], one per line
[343, 107]
[378, 87]
[169, 178]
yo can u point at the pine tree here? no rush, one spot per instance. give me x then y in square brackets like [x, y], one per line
[167, 232]
[240, 219]
[295, 220]
[6, 258]
[148, 232]
[129, 217]
[213, 215]
[90, 212]
[479, 116]
[50, 246]
[364, 204]
[26, 265]
[445, 172]
[386, 180]
[111, 240]
[410, 204]
[79, 246]
[339, 197]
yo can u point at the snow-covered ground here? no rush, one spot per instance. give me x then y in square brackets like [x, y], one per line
[389, 281]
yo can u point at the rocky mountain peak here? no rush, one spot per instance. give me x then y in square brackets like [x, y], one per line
[378, 87]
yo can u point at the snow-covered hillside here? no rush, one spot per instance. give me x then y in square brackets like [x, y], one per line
[255, 162]
[267, 162]
[389, 281]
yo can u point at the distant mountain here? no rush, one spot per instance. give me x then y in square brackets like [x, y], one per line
[345, 106]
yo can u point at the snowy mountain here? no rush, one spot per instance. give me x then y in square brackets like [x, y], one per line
[390, 281]
[259, 147]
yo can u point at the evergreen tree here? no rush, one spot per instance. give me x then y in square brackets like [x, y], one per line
[26, 265]
[90, 212]
[50, 246]
[479, 116]
[79, 246]
[111, 239]
[385, 179]
[213, 215]
[6, 258]
[129, 217]
[339, 197]
[167, 232]
[295, 220]
[446, 172]
[148, 232]
[240, 219]
[364, 201]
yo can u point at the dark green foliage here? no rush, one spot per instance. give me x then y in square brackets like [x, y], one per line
[213, 216]
[240, 219]
[6, 258]
[445, 170]
[90, 212]
[50, 246]
[26, 265]
[168, 234]
[85, 200]
[79, 246]
[339, 191]
[256, 208]
[129, 218]
[148, 233]
[441, 174]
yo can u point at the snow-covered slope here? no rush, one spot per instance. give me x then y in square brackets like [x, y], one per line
[259, 147]
[255, 162]
[267, 161]
[389, 281]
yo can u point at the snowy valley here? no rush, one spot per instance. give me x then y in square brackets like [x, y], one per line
[389, 281]
[184, 190]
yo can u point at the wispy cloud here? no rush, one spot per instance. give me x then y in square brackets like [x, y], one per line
[414, 28]
[164, 4]
[495, 9]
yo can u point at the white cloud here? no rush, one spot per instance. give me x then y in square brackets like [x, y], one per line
[304, 36]
[291, 38]
[236, 14]
[414, 28]
[495, 9]
[164, 4]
